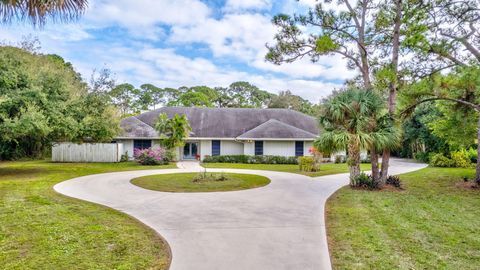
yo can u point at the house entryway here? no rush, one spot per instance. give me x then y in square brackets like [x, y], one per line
[190, 150]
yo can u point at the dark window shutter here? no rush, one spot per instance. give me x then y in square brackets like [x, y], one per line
[258, 148]
[215, 148]
[298, 148]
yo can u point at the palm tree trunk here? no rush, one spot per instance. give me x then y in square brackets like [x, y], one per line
[353, 159]
[375, 167]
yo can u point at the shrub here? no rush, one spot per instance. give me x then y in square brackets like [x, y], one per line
[461, 159]
[250, 159]
[394, 180]
[439, 160]
[124, 157]
[307, 164]
[204, 176]
[363, 180]
[422, 156]
[150, 156]
[340, 159]
[472, 155]
[170, 155]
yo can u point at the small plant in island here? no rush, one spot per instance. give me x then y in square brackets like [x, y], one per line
[151, 156]
[204, 177]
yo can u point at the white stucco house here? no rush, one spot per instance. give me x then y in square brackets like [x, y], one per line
[227, 131]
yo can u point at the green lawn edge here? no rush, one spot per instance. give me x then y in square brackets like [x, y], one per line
[431, 224]
[43, 229]
[325, 168]
[182, 182]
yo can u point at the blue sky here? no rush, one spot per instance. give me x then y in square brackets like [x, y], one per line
[185, 43]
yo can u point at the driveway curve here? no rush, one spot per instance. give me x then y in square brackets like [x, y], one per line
[278, 226]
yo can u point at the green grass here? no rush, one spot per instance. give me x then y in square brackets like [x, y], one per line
[432, 224]
[41, 229]
[183, 182]
[325, 168]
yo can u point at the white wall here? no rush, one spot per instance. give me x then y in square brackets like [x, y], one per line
[279, 148]
[249, 148]
[127, 147]
[306, 148]
[205, 148]
[231, 148]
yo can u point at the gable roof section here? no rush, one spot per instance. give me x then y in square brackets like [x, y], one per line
[220, 122]
[132, 127]
[276, 129]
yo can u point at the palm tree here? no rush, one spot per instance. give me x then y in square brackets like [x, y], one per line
[37, 11]
[174, 130]
[346, 120]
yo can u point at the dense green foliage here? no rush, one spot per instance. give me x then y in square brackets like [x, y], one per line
[43, 100]
[41, 229]
[308, 164]
[200, 182]
[131, 100]
[174, 130]
[431, 224]
[346, 120]
[250, 159]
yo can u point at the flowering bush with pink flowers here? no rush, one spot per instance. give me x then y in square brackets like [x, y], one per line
[151, 156]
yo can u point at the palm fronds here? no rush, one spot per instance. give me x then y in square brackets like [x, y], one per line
[38, 11]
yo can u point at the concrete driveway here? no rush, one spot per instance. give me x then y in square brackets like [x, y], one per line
[279, 226]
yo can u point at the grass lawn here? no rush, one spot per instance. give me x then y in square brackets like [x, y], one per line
[41, 229]
[432, 224]
[184, 182]
[325, 168]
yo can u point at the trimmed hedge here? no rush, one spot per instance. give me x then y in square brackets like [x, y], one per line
[251, 159]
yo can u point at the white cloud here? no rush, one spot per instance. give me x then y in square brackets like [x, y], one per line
[142, 17]
[243, 5]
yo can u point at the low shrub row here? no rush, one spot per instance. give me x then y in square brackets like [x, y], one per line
[250, 159]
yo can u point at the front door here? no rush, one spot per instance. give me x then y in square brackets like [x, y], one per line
[190, 150]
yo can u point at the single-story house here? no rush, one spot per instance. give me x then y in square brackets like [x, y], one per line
[227, 131]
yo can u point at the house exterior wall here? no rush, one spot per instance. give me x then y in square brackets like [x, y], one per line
[279, 148]
[249, 148]
[205, 148]
[127, 146]
[231, 148]
[306, 148]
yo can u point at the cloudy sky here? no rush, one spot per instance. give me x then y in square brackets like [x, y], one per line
[185, 43]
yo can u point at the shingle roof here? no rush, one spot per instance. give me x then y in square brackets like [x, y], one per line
[276, 129]
[221, 122]
[132, 127]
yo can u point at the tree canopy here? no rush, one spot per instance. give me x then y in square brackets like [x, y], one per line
[43, 100]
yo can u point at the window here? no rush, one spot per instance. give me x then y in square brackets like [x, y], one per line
[216, 148]
[299, 148]
[258, 148]
[142, 144]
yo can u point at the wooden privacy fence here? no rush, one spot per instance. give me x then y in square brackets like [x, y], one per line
[87, 152]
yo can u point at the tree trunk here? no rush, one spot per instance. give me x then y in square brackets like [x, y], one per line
[392, 97]
[375, 169]
[353, 160]
[477, 176]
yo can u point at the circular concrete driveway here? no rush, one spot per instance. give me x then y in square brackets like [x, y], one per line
[278, 226]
